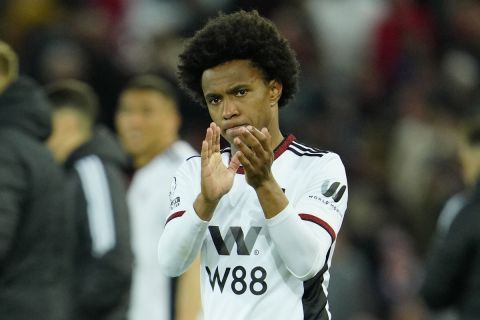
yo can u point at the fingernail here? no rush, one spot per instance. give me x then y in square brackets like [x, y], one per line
[250, 128]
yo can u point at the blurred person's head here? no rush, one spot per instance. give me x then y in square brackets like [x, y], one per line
[469, 150]
[147, 119]
[62, 59]
[8, 65]
[75, 109]
[463, 17]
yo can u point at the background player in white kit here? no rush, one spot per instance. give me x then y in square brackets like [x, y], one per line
[265, 212]
[148, 122]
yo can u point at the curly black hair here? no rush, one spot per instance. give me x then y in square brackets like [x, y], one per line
[239, 35]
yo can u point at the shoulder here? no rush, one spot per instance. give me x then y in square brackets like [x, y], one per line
[179, 152]
[310, 155]
[467, 217]
[303, 150]
[15, 144]
[183, 149]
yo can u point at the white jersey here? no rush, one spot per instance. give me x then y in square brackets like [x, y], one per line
[253, 267]
[149, 207]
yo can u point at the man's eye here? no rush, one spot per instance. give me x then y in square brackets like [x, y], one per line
[213, 100]
[241, 92]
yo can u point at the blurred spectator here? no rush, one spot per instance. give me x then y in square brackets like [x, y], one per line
[94, 163]
[403, 41]
[148, 122]
[351, 280]
[452, 277]
[343, 31]
[422, 147]
[34, 225]
[399, 274]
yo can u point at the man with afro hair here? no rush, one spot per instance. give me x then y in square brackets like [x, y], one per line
[263, 213]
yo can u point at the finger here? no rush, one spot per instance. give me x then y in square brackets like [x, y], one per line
[204, 153]
[244, 161]
[248, 140]
[216, 139]
[260, 142]
[266, 133]
[208, 139]
[264, 137]
[245, 150]
[234, 162]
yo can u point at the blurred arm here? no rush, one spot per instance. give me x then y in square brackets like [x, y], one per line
[188, 306]
[13, 188]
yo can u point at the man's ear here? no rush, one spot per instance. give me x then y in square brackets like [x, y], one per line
[275, 88]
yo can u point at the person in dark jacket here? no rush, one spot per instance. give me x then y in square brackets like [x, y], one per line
[94, 163]
[34, 227]
[452, 277]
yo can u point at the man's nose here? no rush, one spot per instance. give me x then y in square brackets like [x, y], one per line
[230, 108]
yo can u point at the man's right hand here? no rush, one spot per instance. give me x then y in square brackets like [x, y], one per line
[217, 179]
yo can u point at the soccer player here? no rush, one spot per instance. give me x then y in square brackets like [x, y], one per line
[148, 123]
[264, 213]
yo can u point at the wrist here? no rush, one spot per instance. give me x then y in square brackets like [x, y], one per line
[204, 207]
[267, 186]
[272, 198]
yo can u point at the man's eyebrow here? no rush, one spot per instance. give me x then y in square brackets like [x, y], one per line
[237, 87]
[212, 95]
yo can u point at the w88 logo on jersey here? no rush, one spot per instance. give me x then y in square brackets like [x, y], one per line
[240, 279]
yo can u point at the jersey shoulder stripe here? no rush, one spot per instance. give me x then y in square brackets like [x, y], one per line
[195, 156]
[301, 149]
[226, 150]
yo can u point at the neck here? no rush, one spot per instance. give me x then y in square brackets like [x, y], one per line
[277, 138]
[63, 150]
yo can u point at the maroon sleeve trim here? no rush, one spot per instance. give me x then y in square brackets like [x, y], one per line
[177, 214]
[320, 222]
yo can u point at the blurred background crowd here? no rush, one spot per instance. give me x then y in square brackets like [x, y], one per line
[383, 83]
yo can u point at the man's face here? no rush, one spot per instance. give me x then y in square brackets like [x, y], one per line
[68, 133]
[237, 95]
[147, 122]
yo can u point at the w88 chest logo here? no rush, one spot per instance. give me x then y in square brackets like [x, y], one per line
[240, 282]
[241, 279]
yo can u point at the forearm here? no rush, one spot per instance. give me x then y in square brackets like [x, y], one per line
[302, 248]
[180, 242]
[188, 305]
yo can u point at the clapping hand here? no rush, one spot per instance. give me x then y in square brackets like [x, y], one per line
[255, 155]
[217, 178]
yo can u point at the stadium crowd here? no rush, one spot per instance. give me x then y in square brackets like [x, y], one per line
[383, 83]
